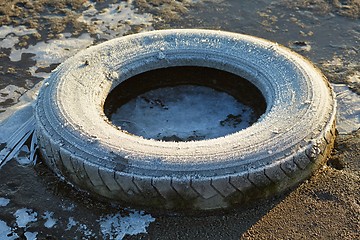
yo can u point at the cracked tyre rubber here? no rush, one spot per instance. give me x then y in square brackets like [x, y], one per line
[290, 141]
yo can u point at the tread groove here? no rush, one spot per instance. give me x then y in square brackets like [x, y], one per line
[297, 165]
[101, 178]
[284, 171]
[60, 158]
[87, 174]
[248, 178]
[158, 192]
[268, 177]
[171, 185]
[191, 186]
[137, 187]
[211, 184]
[117, 183]
[242, 194]
[72, 165]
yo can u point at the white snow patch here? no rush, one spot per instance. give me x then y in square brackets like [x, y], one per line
[183, 112]
[9, 35]
[115, 226]
[25, 216]
[82, 228]
[31, 235]
[71, 223]
[6, 232]
[85, 230]
[10, 94]
[50, 221]
[9, 41]
[53, 51]
[348, 109]
[4, 202]
[18, 31]
[115, 20]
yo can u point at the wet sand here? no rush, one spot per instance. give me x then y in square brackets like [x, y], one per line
[327, 206]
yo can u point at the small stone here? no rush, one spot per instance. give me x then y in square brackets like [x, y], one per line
[300, 46]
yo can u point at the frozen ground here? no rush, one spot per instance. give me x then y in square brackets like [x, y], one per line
[33, 204]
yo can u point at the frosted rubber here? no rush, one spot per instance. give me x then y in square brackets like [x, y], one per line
[288, 143]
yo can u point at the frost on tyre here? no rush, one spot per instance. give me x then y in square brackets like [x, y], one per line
[292, 137]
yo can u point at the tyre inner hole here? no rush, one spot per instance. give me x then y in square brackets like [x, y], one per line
[184, 103]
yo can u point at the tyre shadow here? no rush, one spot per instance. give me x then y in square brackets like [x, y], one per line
[230, 224]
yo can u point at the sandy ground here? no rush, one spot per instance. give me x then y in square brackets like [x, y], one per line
[327, 206]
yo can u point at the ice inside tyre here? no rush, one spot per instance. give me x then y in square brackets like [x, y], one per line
[184, 103]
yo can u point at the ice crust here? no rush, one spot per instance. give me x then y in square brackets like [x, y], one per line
[6, 232]
[4, 202]
[24, 216]
[115, 226]
[31, 235]
[50, 220]
[183, 113]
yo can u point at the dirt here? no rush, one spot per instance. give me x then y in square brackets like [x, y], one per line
[346, 8]
[327, 206]
[165, 10]
[52, 16]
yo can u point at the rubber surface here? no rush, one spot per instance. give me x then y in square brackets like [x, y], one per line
[288, 143]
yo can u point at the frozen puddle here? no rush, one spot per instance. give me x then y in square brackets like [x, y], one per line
[183, 113]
